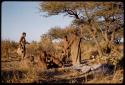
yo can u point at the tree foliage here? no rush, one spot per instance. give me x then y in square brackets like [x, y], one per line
[103, 19]
[82, 10]
[57, 32]
[46, 43]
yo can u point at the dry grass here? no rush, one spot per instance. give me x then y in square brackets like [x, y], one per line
[25, 71]
[116, 78]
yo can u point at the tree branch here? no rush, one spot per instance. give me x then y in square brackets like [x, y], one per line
[72, 12]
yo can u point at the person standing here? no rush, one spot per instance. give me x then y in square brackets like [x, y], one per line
[22, 44]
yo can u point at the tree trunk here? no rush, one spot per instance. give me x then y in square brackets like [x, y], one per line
[75, 51]
[96, 41]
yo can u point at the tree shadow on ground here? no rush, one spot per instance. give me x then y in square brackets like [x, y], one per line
[9, 75]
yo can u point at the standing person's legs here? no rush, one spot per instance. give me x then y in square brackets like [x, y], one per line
[23, 51]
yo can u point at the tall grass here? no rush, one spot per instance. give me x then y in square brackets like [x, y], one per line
[31, 71]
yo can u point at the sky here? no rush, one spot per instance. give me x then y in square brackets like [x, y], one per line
[19, 16]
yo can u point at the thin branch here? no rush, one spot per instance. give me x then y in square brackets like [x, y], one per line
[72, 12]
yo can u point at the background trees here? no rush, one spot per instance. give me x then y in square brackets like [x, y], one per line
[100, 20]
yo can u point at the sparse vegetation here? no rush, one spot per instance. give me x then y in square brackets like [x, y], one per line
[97, 47]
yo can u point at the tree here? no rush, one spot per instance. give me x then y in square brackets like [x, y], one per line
[86, 16]
[57, 32]
[55, 8]
[46, 43]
